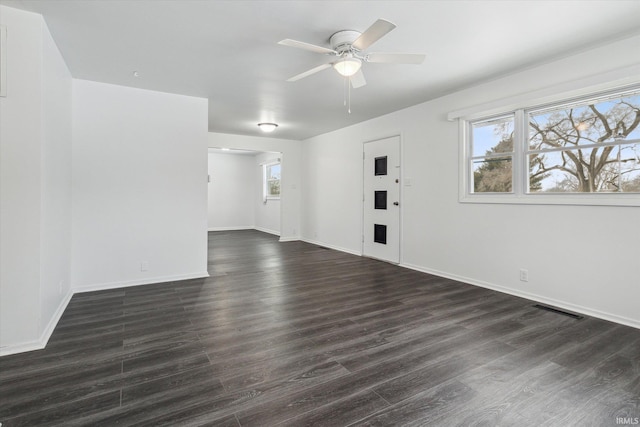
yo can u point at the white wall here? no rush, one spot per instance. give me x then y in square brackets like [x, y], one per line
[267, 213]
[232, 191]
[583, 258]
[139, 186]
[55, 262]
[291, 169]
[35, 190]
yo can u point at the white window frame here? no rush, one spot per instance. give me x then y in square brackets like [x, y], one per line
[3, 61]
[520, 183]
[471, 158]
[265, 182]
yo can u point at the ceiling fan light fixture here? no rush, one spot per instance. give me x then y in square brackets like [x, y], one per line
[348, 66]
[267, 127]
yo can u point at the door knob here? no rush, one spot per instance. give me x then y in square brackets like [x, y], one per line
[396, 203]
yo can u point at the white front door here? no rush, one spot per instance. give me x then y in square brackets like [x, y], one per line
[381, 234]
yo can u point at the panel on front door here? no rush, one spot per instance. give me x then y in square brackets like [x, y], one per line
[380, 200]
[381, 233]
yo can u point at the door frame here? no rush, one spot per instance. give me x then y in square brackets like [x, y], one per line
[400, 197]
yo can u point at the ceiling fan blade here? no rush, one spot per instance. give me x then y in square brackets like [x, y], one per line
[309, 72]
[395, 58]
[357, 80]
[372, 34]
[306, 46]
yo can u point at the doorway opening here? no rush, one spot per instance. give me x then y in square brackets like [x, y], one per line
[244, 190]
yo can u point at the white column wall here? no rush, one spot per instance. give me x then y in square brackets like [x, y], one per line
[35, 190]
[139, 186]
[56, 184]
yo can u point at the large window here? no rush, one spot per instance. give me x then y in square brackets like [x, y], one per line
[586, 147]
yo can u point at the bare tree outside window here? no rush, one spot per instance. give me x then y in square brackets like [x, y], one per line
[587, 148]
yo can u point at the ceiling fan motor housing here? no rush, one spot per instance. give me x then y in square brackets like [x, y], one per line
[342, 41]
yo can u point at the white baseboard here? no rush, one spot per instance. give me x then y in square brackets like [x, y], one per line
[129, 283]
[53, 322]
[46, 333]
[337, 248]
[21, 348]
[251, 227]
[530, 296]
[533, 297]
[289, 239]
[266, 230]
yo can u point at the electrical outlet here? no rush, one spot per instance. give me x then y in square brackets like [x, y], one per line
[524, 275]
[144, 266]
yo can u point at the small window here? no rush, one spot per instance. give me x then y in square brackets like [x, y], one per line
[492, 159]
[272, 181]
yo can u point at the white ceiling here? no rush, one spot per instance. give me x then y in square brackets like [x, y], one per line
[227, 51]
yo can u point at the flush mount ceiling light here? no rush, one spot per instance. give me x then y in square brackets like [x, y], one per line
[267, 127]
[348, 65]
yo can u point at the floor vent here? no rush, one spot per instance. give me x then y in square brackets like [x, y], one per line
[557, 310]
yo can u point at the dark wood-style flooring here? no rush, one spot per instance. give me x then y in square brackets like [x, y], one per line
[294, 334]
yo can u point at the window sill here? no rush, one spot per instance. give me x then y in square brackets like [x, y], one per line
[628, 199]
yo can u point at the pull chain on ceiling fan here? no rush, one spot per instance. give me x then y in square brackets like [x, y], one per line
[348, 47]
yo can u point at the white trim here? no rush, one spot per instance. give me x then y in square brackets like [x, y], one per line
[53, 322]
[533, 297]
[271, 162]
[526, 295]
[233, 228]
[612, 80]
[3, 60]
[44, 336]
[21, 348]
[290, 239]
[402, 200]
[266, 230]
[599, 199]
[42, 342]
[337, 248]
[130, 283]
[246, 227]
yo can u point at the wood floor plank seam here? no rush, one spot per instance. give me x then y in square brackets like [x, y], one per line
[293, 334]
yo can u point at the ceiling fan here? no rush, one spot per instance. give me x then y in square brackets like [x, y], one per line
[348, 46]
